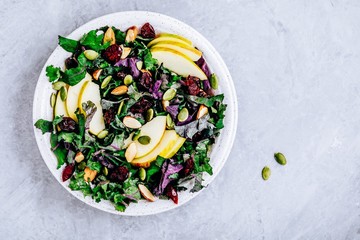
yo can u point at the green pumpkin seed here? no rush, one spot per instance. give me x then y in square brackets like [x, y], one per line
[120, 107]
[128, 80]
[142, 174]
[144, 140]
[105, 171]
[169, 122]
[63, 93]
[280, 158]
[102, 134]
[91, 54]
[82, 165]
[136, 135]
[106, 82]
[183, 115]
[266, 172]
[214, 82]
[52, 100]
[139, 65]
[169, 94]
[149, 114]
[57, 85]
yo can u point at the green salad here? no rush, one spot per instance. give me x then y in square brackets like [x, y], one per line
[135, 115]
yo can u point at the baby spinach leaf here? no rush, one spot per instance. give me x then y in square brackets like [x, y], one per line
[74, 75]
[67, 44]
[59, 150]
[53, 73]
[94, 41]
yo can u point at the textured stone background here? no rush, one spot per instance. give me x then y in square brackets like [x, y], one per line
[296, 69]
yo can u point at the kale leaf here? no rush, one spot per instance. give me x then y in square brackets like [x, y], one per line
[53, 73]
[44, 125]
[94, 41]
[74, 75]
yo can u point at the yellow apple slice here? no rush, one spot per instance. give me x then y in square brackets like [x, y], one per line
[155, 130]
[170, 37]
[91, 92]
[169, 153]
[167, 142]
[73, 96]
[60, 106]
[185, 49]
[177, 62]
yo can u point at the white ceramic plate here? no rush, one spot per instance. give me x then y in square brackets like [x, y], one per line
[161, 23]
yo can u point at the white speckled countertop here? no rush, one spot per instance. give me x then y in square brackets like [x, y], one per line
[296, 71]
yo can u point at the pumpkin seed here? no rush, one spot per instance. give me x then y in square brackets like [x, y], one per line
[106, 82]
[183, 115]
[120, 107]
[149, 114]
[57, 85]
[102, 134]
[214, 82]
[128, 80]
[169, 122]
[139, 65]
[136, 135]
[280, 158]
[105, 171]
[266, 172]
[52, 100]
[144, 140]
[169, 94]
[142, 174]
[63, 93]
[91, 54]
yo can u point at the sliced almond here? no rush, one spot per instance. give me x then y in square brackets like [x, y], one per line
[131, 34]
[125, 52]
[130, 152]
[146, 193]
[96, 74]
[109, 36]
[120, 90]
[131, 122]
[203, 110]
[79, 157]
[89, 175]
[165, 104]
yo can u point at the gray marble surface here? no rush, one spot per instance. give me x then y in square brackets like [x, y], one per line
[296, 69]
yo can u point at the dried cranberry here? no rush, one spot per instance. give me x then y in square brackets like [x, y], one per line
[71, 62]
[68, 172]
[146, 82]
[67, 124]
[141, 106]
[113, 53]
[193, 88]
[109, 115]
[172, 193]
[119, 174]
[189, 166]
[147, 31]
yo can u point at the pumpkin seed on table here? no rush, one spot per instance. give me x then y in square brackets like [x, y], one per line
[169, 94]
[102, 134]
[106, 81]
[169, 122]
[142, 174]
[280, 158]
[128, 80]
[214, 82]
[183, 114]
[105, 171]
[91, 54]
[266, 172]
[144, 140]
[120, 107]
[52, 100]
[149, 114]
[57, 85]
[63, 93]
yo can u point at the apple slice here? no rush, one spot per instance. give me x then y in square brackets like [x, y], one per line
[145, 192]
[170, 37]
[60, 106]
[73, 96]
[185, 49]
[177, 62]
[167, 142]
[91, 92]
[155, 130]
[169, 153]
